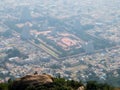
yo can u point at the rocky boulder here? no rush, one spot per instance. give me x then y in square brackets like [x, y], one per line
[81, 88]
[31, 80]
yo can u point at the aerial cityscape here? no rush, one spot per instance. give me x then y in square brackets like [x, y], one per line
[78, 39]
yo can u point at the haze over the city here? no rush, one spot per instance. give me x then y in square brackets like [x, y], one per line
[78, 39]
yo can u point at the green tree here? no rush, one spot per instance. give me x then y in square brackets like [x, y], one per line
[3, 86]
[31, 88]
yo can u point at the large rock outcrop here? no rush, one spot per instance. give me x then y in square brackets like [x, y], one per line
[31, 80]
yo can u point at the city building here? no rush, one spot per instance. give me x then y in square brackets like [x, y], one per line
[89, 47]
